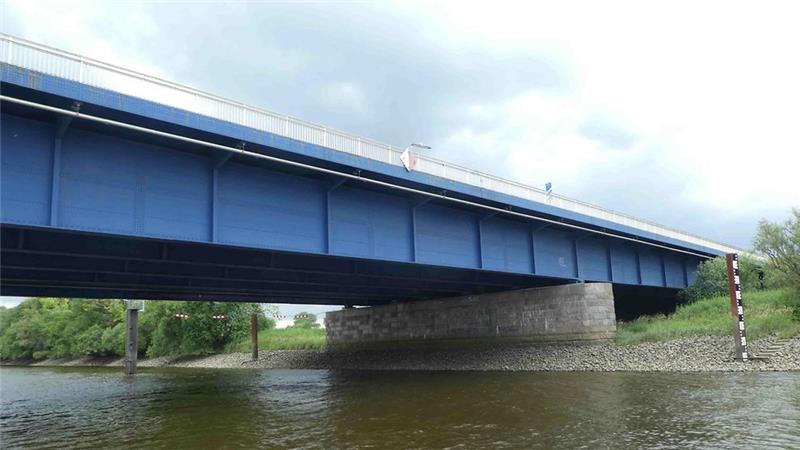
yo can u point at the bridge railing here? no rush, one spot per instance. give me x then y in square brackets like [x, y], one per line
[58, 63]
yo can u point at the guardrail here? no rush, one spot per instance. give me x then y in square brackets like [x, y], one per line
[50, 61]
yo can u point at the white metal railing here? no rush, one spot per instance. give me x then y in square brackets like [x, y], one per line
[50, 61]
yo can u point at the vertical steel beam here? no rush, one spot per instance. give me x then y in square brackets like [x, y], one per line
[414, 207]
[608, 260]
[638, 268]
[214, 194]
[575, 256]
[532, 236]
[55, 184]
[480, 237]
[328, 225]
[663, 270]
[413, 233]
[214, 208]
[685, 273]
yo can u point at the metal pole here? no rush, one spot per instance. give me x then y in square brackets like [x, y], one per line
[737, 307]
[131, 338]
[254, 335]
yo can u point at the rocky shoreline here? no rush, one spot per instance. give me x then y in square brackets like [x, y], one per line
[700, 354]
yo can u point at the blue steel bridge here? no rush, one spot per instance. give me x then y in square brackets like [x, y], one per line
[116, 184]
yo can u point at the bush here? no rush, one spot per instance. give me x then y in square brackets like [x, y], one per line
[712, 278]
[781, 245]
[305, 320]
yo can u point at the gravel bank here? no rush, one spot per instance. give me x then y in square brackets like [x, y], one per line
[700, 354]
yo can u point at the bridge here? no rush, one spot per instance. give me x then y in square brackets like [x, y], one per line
[116, 184]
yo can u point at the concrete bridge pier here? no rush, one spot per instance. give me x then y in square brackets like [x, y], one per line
[583, 311]
[132, 308]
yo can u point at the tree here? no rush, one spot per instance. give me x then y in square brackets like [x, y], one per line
[305, 320]
[780, 243]
[712, 278]
[55, 327]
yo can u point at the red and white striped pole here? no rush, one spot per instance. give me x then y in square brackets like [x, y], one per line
[737, 305]
[254, 335]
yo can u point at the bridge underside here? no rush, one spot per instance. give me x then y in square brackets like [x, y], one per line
[42, 262]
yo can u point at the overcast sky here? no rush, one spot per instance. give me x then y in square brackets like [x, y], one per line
[682, 113]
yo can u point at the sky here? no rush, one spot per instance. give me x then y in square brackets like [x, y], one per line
[684, 113]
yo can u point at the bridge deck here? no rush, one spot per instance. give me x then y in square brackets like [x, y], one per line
[140, 199]
[67, 66]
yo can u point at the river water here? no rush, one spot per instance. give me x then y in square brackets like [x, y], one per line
[196, 409]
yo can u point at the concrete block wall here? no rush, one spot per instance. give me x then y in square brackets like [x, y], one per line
[568, 312]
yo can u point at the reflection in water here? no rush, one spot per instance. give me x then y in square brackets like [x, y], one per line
[184, 408]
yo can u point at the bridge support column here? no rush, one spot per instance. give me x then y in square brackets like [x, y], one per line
[254, 336]
[132, 334]
[559, 313]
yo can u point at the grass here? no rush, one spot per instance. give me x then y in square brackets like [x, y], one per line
[285, 339]
[766, 312]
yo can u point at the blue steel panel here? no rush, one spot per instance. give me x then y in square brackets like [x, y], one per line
[674, 271]
[119, 186]
[691, 270]
[554, 253]
[447, 236]
[623, 264]
[370, 224]
[593, 259]
[26, 152]
[145, 108]
[650, 261]
[506, 245]
[266, 209]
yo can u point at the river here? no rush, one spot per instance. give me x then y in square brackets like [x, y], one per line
[190, 408]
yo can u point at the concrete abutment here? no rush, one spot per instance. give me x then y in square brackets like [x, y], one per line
[559, 313]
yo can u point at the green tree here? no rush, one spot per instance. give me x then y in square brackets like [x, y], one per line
[54, 327]
[305, 320]
[780, 243]
[712, 277]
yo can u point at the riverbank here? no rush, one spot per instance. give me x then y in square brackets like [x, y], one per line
[697, 354]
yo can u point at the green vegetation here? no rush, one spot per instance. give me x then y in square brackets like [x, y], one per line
[767, 312]
[706, 311]
[305, 320]
[58, 328]
[292, 338]
[780, 243]
[712, 278]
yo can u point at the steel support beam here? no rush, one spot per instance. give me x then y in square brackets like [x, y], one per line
[214, 195]
[480, 236]
[638, 268]
[55, 183]
[416, 204]
[328, 225]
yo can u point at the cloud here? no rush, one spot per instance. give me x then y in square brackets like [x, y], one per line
[342, 95]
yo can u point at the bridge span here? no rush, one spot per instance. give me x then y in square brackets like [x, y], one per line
[117, 184]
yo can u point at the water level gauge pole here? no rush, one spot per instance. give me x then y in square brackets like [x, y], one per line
[132, 308]
[737, 306]
[254, 335]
